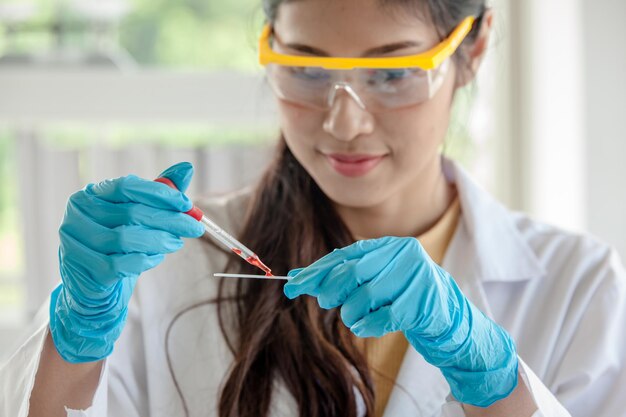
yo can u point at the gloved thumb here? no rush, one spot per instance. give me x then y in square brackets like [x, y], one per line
[180, 174]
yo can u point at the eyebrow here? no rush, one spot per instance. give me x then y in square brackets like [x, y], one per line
[379, 50]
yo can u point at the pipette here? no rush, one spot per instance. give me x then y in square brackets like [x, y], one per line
[221, 235]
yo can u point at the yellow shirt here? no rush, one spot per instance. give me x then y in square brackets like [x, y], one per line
[384, 355]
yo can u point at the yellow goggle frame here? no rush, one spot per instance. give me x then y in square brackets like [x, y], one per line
[426, 60]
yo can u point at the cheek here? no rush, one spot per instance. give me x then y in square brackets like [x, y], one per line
[300, 128]
[419, 129]
[415, 133]
[299, 124]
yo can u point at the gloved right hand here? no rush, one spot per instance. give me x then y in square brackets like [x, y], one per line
[391, 284]
[112, 232]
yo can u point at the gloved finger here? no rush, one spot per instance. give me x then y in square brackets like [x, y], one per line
[132, 189]
[339, 283]
[122, 239]
[431, 305]
[103, 271]
[180, 174]
[311, 285]
[83, 208]
[376, 324]
[370, 296]
[303, 284]
[308, 280]
[361, 247]
[112, 269]
[137, 239]
[100, 306]
[342, 281]
[304, 281]
[294, 272]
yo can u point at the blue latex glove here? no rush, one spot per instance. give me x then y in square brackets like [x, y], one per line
[391, 284]
[112, 232]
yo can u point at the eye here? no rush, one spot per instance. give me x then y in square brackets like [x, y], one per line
[376, 76]
[309, 73]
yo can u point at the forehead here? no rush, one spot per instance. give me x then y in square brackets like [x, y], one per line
[348, 27]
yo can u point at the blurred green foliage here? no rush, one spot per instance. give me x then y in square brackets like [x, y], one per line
[193, 33]
[199, 34]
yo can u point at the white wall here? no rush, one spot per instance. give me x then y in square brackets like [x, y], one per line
[568, 102]
[548, 96]
[605, 83]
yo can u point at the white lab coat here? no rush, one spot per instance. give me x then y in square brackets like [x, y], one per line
[561, 296]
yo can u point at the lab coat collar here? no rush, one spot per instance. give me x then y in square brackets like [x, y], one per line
[500, 252]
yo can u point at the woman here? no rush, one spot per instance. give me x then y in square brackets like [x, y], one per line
[373, 320]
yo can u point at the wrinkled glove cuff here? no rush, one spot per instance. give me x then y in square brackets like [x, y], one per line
[483, 388]
[477, 357]
[76, 341]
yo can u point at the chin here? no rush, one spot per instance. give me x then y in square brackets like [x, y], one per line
[353, 196]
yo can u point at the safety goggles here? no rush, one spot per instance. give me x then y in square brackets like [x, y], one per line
[376, 84]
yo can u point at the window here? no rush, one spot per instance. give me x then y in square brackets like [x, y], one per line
[198, 34]
[11, 252]
[47, 123]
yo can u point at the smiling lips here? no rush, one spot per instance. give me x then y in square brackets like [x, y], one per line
[353, 165]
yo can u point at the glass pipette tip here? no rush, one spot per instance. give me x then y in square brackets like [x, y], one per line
[233, 244]
[221, 235]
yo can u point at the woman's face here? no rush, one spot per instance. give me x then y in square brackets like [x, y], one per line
[400, 147]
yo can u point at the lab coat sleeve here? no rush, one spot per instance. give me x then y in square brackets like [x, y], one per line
[120, 391]
[17, 374]
[588, 365]
[590, 377]
[547, 404]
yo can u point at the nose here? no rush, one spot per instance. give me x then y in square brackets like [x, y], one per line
[347, 117]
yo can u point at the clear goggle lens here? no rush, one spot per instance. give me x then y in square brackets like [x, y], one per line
[376, 89]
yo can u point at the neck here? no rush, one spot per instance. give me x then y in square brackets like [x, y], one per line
[410, 212]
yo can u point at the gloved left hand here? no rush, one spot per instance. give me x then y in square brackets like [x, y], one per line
[391, 284]
[112, 232]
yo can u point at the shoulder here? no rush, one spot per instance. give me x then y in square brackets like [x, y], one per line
[227, 210]
[579, 259]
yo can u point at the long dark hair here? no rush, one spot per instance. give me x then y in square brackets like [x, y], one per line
[291, 223]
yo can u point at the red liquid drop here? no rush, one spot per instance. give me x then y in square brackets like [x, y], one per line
[257, 262]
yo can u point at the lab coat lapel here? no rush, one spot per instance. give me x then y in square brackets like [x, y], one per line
[420, 388]
[497, 251]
